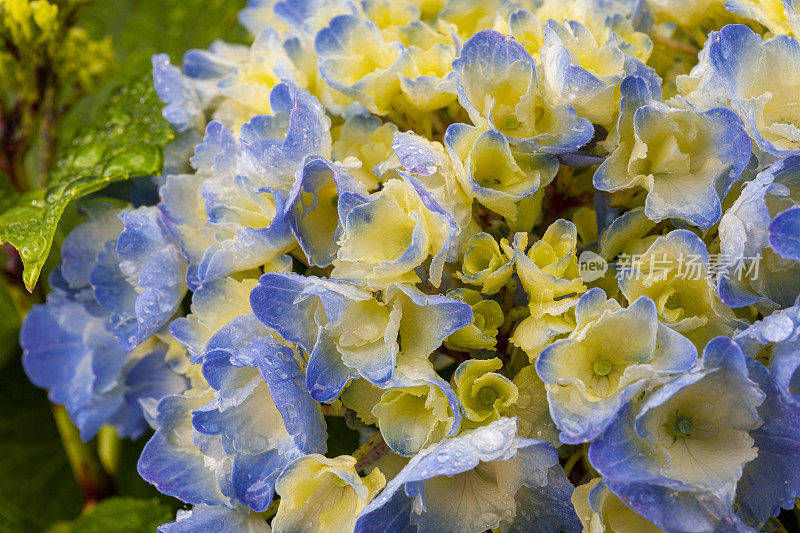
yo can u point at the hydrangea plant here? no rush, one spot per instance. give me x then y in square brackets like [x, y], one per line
[538, 258]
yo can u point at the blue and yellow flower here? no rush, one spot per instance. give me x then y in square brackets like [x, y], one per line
[348, 333]
[743, 61]
[503, 477]
[498, 86]
[481, 333]
[592, 374]
[361, 144]
[228, 216]
[388, 235]
[356, 60]
[502, 176]
[676, 457]
[312, 208]
[439, 173]
[484, 394]
[324, 495]
[685, 159]
[580, 71]
[261, 415]
[485, 265]
[674, 273]
[416, 409]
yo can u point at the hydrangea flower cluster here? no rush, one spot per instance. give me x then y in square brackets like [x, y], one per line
[496, 236]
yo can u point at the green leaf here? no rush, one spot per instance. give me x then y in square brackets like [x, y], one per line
[137, 30]
[121, 515]
[36, 482]
[127, 141]
[137, 27]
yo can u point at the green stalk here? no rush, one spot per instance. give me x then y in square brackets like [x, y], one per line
[109, 448]
[363, 451]
[83, 459]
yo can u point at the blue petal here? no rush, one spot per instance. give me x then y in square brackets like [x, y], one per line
[245, 342]
[254, 476]
[771, 481]
[285, 378]
[208, 518]
[312, 207]
[429, 320]
[151, 379]
[278, 302]
[307, 133]
[326, 374]
[68, 350]
[207, 64]
[784, 233]
[549, 508]
[216, 150]
[183, 107]
[81, 247]
[140, 281]
[170, 460]
[635, 93]
[261, 427]
[532, 461]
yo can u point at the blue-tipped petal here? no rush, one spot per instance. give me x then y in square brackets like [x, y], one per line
[491, 62]
[771, 481]
[418, 499]
[312, 207]
[171, 461]
[326, 374]
[784, 234]
[68, 350]
[216, 518]
[183, 109]
[140, 279]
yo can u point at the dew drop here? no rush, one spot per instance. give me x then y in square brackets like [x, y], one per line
[33, 248]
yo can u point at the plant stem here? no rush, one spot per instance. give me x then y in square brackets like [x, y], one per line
[336, 409]
[572, 461]
[370, 451]
[109, 447]
[83, 459]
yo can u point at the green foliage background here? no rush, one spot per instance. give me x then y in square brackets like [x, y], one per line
[113, 133]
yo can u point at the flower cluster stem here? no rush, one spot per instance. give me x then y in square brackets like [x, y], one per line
[83, 459]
